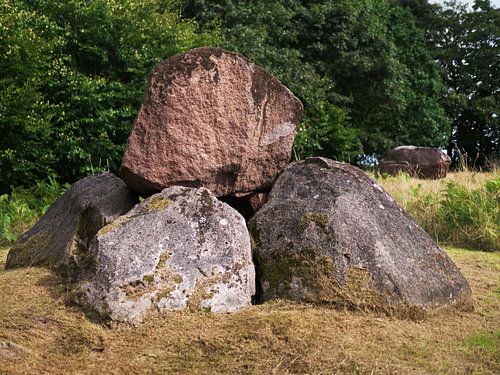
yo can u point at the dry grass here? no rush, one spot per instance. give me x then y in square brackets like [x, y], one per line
[41, 334]
[402, 187]
[423, 200]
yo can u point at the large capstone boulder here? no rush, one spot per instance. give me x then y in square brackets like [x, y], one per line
[330, 234]
[211, 118]
[422, 162]
[178, 249]
[61, 237]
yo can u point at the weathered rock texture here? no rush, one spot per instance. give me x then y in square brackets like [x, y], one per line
[422, 162]
[178, 249]
[329, 233]
[63, 234]
[211, 118]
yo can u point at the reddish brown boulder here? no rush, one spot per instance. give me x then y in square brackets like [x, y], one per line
[211, 118]
[422, 162]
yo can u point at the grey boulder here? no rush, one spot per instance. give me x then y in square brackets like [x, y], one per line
[178, 249]
[331, 234]
[64, 233]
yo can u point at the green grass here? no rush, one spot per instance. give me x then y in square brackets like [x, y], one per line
[462, 209]
[20, 209]
[488, 342]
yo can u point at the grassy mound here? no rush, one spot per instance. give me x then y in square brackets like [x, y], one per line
[41, 333]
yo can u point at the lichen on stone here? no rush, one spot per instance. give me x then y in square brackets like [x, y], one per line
[207, 203]
[201, 291]
[309, 266]
[114, 225]
[27, 253]
[309, 275]
[157, 203]
[320, 219]
[199, 294]
[164, 293]
[138, 288]
[162, 262]
[168, 279]
[169, 287]
[177, 279]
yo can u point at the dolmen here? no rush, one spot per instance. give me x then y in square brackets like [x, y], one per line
[209, 155]
[421, 162]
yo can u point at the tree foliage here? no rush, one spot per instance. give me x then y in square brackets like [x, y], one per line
[468, 48]
[72, 75]
[465, 42]
[372, 74]
[362, 69]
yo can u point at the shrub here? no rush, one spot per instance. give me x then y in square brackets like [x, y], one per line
[23, 207]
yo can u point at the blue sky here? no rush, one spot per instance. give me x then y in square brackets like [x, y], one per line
[495, 3]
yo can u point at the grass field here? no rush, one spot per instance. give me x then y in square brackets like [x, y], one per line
[462, 209]
[41, 334]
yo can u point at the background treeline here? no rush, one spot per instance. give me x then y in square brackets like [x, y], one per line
[373, 74]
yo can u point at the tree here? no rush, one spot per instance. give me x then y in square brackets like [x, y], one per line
[467, 47]
[381, 68]
[72, 77]
[362, 69]
[25, 116]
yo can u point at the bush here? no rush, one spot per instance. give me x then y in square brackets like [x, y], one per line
[23, 207]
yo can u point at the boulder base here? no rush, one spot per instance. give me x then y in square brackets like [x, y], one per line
[211, 118]
[330, 234]
[178, 249]
[59, 238]
[422, 162]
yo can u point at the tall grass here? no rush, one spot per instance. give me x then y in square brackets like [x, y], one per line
[23, 207]
[462, 209]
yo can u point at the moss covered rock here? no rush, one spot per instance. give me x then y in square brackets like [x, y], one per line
[330, 234]
[178, 249]
[60, 239]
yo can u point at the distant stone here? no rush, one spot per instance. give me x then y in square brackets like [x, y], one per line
[422, 162]
[330, 234]
[178, 249]
[59, 238]
[211, 118]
